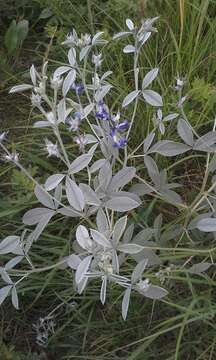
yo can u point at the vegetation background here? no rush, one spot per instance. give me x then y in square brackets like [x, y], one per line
[180, 327]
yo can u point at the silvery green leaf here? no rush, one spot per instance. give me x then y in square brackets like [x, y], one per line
[90, 139]
[199, 268]
[92, 149]
[41, 124]
[80, 163]
[121, 204]
[141, 189]
[105, 175]
[74, 195]
[121, 35]
[123, 177]
[128, 234]
[130, 24]
[130, 248]
[66, 211]
[68, 82]
[152, 170]
[14, 298]
[169, 148]
[34, 216]
[73, 261]
[125, 302]
[115, 261]
[138, 271]
[207, 225]
[149, 254]
[102, 92]
[130, 97]
[33, 75]
[119, 229]
[61, 110]
[4, 292]
[58, 195]
[90, 195]
[82, 269]
[60, 71]
[83, 238]
[9, 244]
[97, 165]
[20, 88]
[53, 181]
[171, 196]
[143, 236]
[129, 49]
[152, 98]
[103, 290]
[144, 37]
[125, 194]
[100, 239]
[84, 51]
[81, 286]
[206, 142]
[72, 56]
[170, 117]
[185, 132]
[150, 76]
[43, 197]
[193, 224]
[13, 262]
[148, 141]
[106, 74]
[96, 37]
[5, 277]
[155, 292]
[101, 221]
[87, 110]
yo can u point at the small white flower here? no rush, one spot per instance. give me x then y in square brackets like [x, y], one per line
[51, 148]
[56, 82]
[143, 285]
[81, 141]
[97, 60]
[84, 40]
[13, 157]
[50, 117]
[36, 100]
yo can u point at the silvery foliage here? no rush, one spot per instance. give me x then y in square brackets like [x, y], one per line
[75, 98]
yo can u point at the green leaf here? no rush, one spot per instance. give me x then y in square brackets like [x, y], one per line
[11, 37]
[22, 31]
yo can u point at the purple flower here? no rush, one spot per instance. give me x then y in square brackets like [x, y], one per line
[122, 142]
[102, 112]
[118, 142]
[122, 126]
[79, 88]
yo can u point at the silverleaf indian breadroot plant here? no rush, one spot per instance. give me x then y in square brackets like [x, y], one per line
[76, 98]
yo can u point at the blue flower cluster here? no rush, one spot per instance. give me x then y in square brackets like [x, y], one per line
[117, 128]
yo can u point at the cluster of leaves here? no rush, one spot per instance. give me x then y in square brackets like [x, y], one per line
[73, 98]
